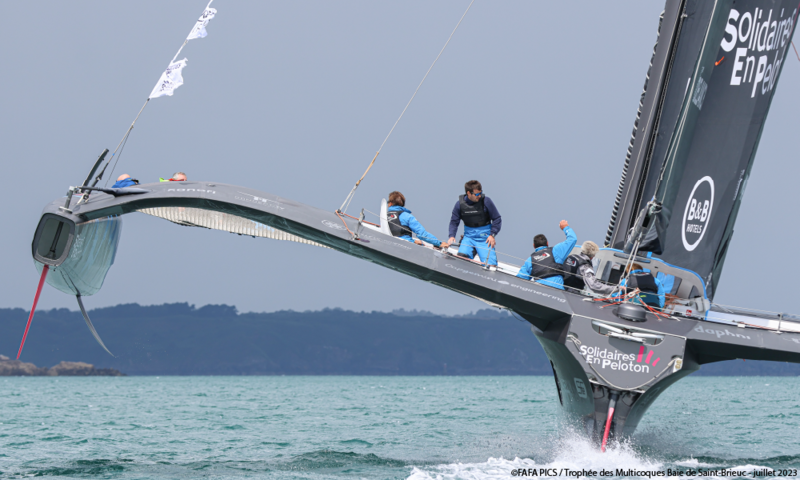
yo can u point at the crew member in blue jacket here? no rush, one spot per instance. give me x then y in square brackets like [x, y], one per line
[402, 224]
[125, 180]
[482, 223]
[545, 263]
[652, 291]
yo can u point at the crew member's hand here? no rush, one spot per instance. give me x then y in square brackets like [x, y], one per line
[418, 241]
[451, 240]
[444, 245]
[563, 224]
[490, 241]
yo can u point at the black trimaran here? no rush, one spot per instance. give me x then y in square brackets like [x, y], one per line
[714, 71]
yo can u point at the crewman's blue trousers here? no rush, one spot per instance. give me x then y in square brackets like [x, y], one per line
[475, 240]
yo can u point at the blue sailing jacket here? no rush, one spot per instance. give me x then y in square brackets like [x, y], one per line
[124, 183]
[408, 220]
[560, 253]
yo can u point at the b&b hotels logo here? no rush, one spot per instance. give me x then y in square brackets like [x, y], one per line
[697, 213]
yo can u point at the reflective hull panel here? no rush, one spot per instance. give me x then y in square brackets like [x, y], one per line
[90, 257]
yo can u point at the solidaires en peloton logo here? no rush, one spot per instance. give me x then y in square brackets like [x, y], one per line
[697, 214]
[615, 360]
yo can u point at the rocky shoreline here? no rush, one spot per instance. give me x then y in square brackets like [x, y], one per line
[17, 368]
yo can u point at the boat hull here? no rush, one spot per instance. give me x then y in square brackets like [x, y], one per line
[586, 381]
[591, 365]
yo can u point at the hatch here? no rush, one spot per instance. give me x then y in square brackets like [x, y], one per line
[53, 239]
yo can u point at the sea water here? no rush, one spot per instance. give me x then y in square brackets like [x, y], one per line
[377, 427]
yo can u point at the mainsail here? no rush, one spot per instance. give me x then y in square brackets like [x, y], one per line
[714, 72]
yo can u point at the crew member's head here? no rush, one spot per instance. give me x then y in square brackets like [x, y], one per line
[125, 176]
[539, 241]
[474, 190]
[634, 267]
[589, 248]
[179, 177]
[396, 199]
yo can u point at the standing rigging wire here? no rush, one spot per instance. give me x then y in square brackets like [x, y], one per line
[122, 145]
[795, 51]
[349, 198]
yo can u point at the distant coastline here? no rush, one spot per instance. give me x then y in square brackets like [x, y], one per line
[179, 339]
[16, 368]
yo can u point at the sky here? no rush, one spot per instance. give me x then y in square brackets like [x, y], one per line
[534, 99]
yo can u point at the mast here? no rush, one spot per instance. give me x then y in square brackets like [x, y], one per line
[627, 203]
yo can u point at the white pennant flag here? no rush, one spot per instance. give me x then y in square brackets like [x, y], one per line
[199, 29]
[170, 80]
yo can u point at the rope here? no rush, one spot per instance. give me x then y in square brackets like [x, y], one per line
[349, 198]
[345, 225]
[578, 343]
[356, 218]
[122, 145]
[795, 51]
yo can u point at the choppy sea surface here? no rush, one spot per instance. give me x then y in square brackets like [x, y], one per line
[376, 427]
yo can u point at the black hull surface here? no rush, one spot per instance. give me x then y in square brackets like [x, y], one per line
[590, 364]
[585, 393]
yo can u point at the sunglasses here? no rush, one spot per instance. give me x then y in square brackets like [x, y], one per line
[476, 194]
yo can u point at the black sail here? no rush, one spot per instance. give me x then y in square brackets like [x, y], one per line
[714, 73]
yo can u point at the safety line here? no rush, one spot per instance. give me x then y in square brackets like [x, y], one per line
[349, 198]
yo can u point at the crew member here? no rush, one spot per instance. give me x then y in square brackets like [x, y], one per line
[402, 224]
[482, 223]
[546, 263]
[579, 274]
[651, 289]
[125, 180]
[177, 177]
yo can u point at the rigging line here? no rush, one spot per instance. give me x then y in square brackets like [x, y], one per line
[349, 198]
[795, 51]
[122, 143]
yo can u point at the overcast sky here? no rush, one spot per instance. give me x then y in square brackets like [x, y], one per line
[534, 99]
